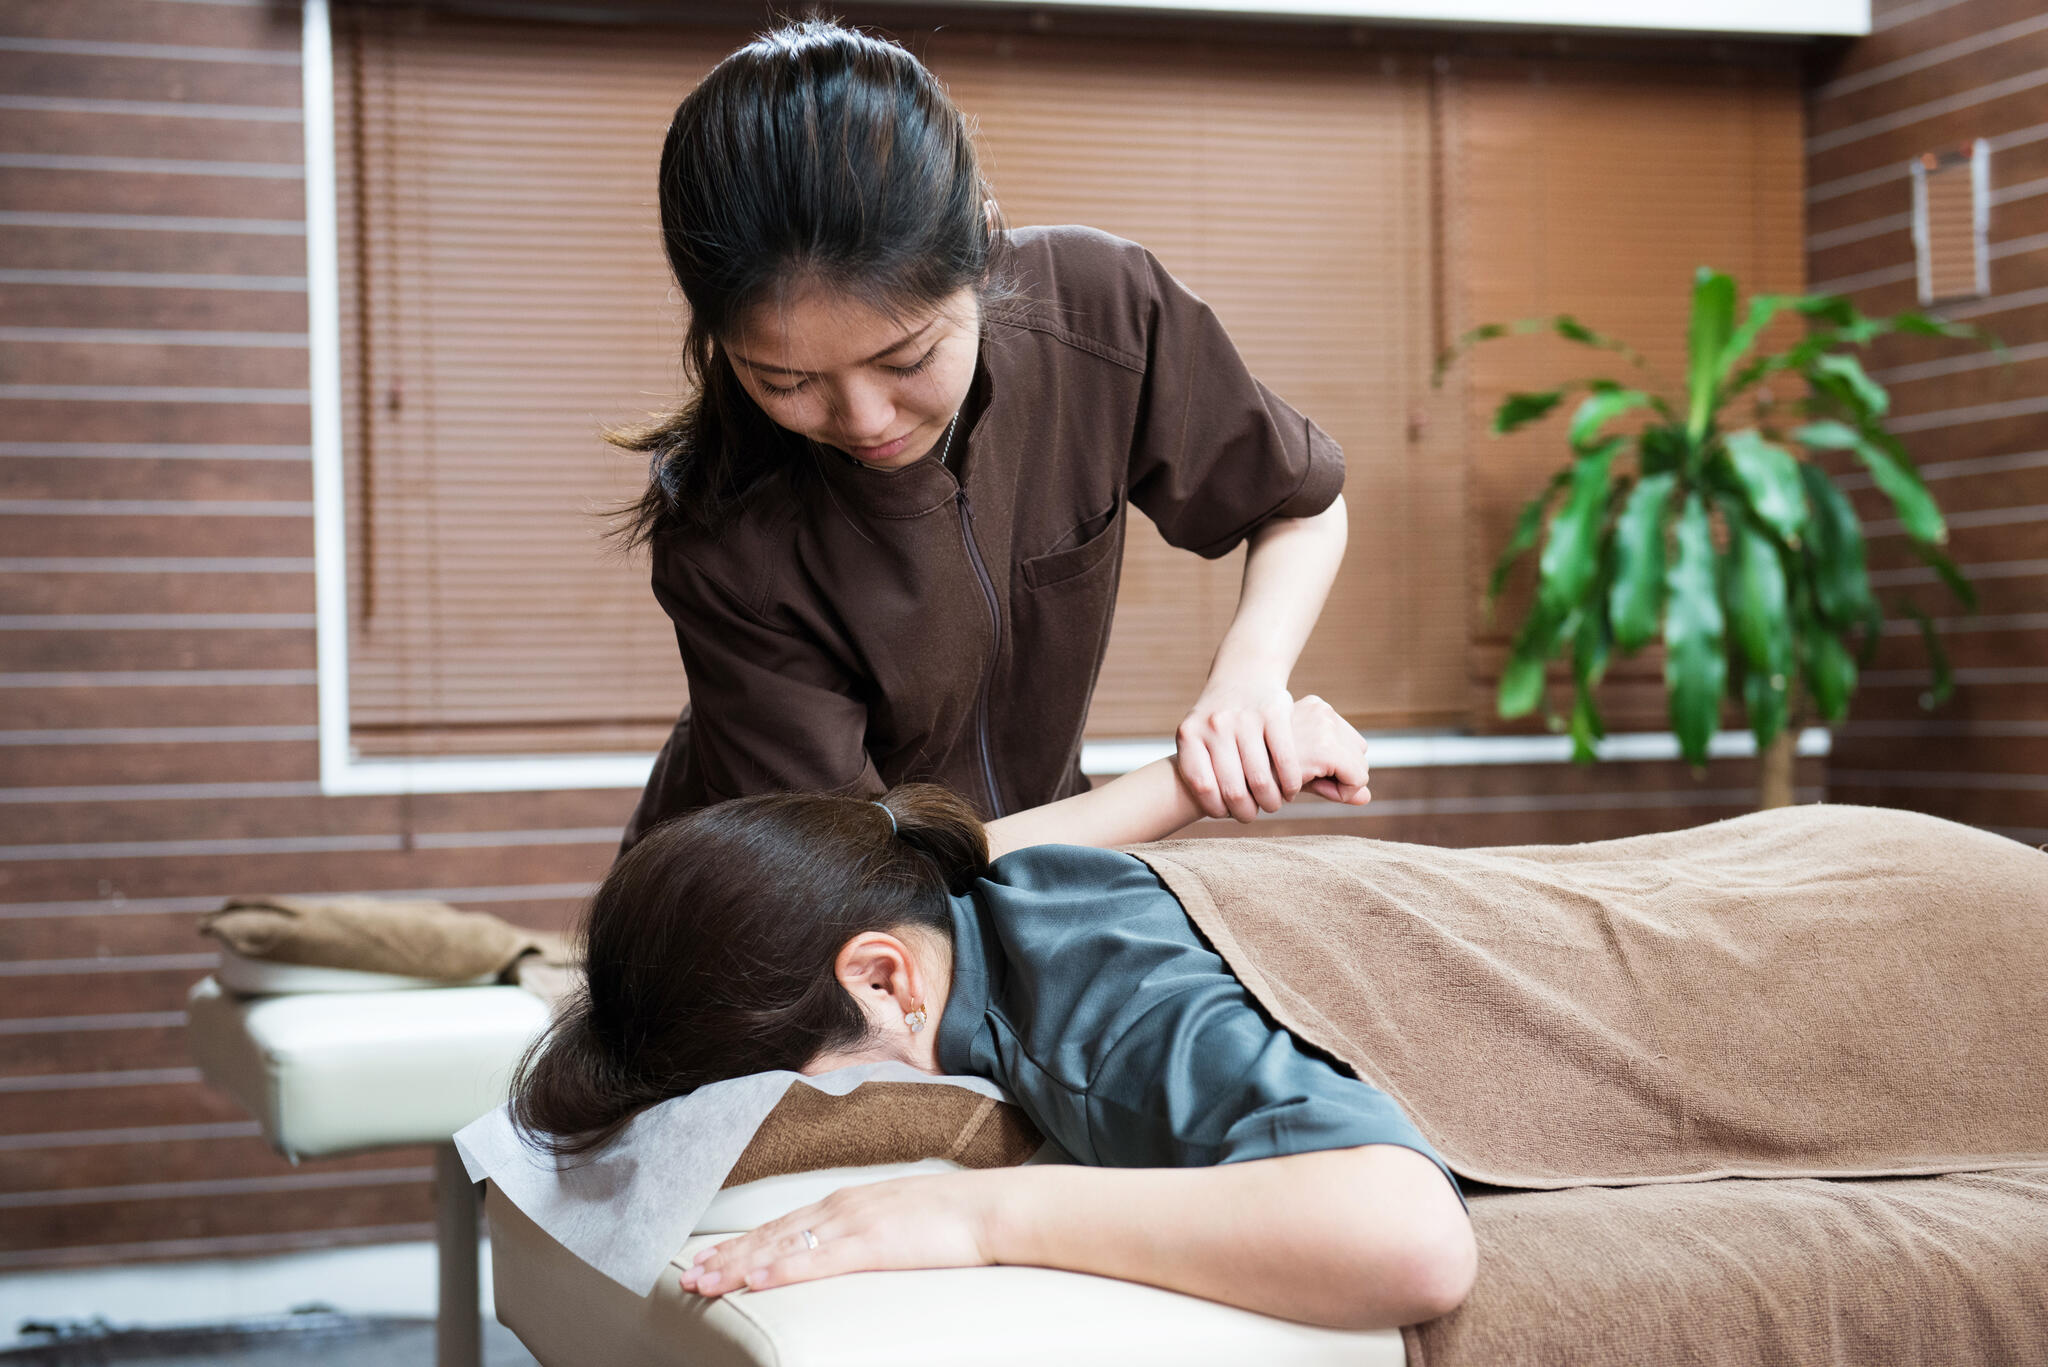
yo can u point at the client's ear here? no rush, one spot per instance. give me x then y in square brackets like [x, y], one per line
[883, 975]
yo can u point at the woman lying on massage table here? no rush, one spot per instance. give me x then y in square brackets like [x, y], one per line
[1215, 1155]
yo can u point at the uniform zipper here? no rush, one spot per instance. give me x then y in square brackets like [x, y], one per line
[995, 626]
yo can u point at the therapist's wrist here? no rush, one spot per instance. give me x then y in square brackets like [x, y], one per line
[1244, 677]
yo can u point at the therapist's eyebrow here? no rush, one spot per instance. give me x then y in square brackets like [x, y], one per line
[896, 345]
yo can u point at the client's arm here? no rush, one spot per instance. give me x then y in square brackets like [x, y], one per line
[1360, 1238]
[1152, 802]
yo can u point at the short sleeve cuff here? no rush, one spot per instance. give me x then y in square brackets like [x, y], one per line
[1321, 482]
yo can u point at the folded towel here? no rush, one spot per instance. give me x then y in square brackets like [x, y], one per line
[885, 1122]
[415, 939]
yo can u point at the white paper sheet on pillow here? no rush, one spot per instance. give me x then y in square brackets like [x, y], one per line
[627, 1208]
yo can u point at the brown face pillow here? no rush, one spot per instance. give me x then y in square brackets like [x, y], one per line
[885, 1122]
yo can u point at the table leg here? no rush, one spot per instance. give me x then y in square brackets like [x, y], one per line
[458, 1330]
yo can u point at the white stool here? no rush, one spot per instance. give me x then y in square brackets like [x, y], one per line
[327, 1073]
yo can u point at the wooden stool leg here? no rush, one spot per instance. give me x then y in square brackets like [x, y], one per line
[458, 1330]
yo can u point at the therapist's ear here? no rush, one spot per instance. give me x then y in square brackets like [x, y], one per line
[883, 975]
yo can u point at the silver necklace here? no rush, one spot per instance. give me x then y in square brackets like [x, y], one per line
[946, 448]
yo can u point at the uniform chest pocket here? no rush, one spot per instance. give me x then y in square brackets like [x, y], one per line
[1079, 551]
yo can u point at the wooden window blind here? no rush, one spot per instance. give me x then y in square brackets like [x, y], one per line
[1951, 214]
[505, 295]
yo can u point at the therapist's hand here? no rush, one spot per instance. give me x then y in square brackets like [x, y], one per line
[1331, 753]
[1235, 750]
[942, 1220]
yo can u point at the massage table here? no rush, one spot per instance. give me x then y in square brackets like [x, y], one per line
[342, 1072]
[333, 1062]
[570, 1315]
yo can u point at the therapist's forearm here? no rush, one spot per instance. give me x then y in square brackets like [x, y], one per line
[1287, 576]
[1148, 803]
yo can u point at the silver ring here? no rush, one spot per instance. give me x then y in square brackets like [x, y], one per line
[810, 1241]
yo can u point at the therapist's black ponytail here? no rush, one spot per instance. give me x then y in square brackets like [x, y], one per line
[710, 946]
[814, 154]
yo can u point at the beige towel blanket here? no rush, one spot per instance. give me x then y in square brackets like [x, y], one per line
[1891, 1272]
[1812, 992]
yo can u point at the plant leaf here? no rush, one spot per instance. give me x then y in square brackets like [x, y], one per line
[1830, 673]
[1841, 374]
[1769, 477]
[1762, 309]
[1759, 614]
[1521, 685]
[1637, 598]
[1519, 410]
[1695, 663]
[1891, 470]
[1758, 601]
[1944, 685]
[1572, 330]
[1527, 524]
[1833, 309]
[1571, 554]
[1599, 409]
[1834, 551]
[1587, 729]
[1766, 698]
[1713, 320]
[1592, 640]
[1945, 568]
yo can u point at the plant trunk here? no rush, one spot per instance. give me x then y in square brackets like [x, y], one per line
[1775, 764]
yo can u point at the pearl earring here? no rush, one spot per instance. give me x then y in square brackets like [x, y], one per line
[915, 1019]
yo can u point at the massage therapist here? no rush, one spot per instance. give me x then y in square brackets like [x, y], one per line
[888, 521]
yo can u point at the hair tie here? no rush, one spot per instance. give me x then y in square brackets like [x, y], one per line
[891, 815]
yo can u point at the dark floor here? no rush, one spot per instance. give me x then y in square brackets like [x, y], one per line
[314, 1334]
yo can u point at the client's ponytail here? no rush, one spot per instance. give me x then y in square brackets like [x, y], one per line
[939, 824]
[709, 949]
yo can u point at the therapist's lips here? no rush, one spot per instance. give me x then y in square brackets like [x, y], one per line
[884, 452]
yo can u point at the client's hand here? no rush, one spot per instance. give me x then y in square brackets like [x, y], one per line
[933, 1221]
[1331, 753]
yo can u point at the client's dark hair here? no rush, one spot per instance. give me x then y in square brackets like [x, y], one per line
[710, 946]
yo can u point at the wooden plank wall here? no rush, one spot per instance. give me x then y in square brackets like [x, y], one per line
[158, 637]
[157, 703]
[1933, 76]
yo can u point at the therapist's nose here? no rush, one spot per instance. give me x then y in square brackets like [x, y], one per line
[866, 413]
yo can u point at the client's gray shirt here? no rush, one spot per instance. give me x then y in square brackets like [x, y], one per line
[1081, 987]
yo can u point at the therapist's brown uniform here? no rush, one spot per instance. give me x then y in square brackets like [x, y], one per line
[858, 628]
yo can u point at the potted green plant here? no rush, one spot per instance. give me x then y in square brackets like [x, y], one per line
[1723, 538]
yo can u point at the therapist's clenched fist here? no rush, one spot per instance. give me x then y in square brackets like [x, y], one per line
[941, 1220]
[1239, 760]
[1331, 753]
[1236, 752]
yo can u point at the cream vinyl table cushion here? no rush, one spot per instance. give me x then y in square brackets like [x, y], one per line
[570, 1315]
[334, 1072]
